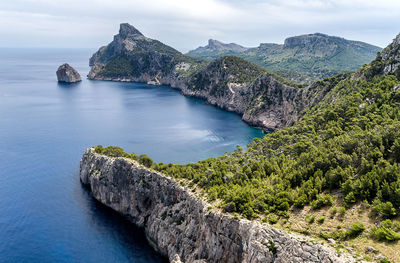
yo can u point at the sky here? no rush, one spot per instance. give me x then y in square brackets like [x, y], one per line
[187, 24]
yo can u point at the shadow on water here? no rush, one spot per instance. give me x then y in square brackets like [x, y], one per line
[66, 85]
[132, 238]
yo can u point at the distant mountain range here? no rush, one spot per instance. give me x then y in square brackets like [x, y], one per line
[216, 49]
[301, 58]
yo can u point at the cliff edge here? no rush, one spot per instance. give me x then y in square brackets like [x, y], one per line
[179, 224]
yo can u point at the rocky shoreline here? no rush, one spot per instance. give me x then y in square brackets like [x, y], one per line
[183, 227]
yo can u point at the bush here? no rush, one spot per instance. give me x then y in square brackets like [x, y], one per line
[321, 220]
[321, 201]
[145, 160]
[273, 219]
[342, 211]
[333, 211]
[384, 232]
[386, 209]
[355, 230]
[310, 219]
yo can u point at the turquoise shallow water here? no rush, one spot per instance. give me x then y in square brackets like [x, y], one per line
[45, 213]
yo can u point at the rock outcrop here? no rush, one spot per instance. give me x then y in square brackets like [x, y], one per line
[66, 73]
[391, 58]
[183, 227]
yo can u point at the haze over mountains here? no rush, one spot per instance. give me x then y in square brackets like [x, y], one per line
[301, 58]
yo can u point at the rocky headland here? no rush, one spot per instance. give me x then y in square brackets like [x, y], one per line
[66, 73]
[182, 226]
[263, 99]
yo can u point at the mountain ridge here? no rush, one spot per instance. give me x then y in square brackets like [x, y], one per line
[314, 56]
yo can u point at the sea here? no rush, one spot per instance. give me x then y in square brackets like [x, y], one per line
[45, 126]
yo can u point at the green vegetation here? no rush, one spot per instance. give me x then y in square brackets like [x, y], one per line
[348, 142]
[115, 151]
[355, 230]
[321, 220]
[273, 219]
[118, 67]
[310, 219]
[386, 231]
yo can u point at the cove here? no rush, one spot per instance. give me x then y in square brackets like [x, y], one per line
[46, 215]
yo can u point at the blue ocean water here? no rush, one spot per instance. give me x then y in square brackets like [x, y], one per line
[45, 213]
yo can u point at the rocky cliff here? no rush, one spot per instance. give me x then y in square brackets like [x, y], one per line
[391, 57]
[182, 226]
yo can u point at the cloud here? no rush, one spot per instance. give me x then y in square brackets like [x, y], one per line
[185, 24]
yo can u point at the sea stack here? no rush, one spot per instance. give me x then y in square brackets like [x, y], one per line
[66, 73]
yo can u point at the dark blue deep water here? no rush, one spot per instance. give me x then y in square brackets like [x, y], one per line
[45, 213]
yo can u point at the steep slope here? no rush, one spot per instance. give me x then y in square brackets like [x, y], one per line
[315, 56]
[263, 99]
[216, 49]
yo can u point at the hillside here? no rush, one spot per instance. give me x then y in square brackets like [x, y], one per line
[306, 57]
[333, 176]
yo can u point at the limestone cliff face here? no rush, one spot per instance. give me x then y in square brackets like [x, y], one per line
[179, 224]
[391, 58]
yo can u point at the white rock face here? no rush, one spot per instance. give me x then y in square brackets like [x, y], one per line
[391, 57]
[182, 227]
[66, 73]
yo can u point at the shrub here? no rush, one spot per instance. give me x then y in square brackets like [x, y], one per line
[355, 230]
[384, 232]
[342, 211]
[273, 219]
[145, 160]
[321, 220]
[333, 211]
[386, 209]
[301, 201]
[321, 201]
[310, 219]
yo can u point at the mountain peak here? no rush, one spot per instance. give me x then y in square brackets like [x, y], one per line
[213, 42]
[125, 29]
[218, 46]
